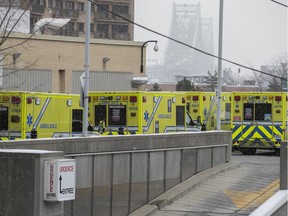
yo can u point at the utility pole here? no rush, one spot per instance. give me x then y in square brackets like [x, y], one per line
[219, 65]
[87, 64]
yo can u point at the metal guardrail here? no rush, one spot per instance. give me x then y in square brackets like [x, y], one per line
[119, 182]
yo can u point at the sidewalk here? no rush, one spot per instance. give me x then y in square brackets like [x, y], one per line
[234, 188]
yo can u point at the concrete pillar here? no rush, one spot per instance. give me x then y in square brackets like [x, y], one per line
[283, 166]
[22, 183]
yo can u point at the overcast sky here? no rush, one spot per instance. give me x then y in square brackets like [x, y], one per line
[254, 31]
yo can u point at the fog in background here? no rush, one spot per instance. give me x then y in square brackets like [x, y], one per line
[254, 31]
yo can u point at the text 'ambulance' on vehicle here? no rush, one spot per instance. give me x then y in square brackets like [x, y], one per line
[140, 112]
[39, 115]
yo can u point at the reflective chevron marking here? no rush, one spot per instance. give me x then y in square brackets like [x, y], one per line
[265, 132]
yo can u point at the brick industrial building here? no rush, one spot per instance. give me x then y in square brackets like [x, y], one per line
[55, 63]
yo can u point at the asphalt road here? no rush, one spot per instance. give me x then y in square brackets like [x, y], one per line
[238, 191]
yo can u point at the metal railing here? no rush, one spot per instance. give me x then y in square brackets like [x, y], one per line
[119, 182]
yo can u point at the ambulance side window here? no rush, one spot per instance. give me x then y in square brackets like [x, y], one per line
[100, 114]
[180, 115]
[3, 118]
[227, 111]
[77, 116]
[248, 111]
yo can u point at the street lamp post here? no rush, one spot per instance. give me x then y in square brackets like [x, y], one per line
[219, 65]
[156, 48]
[86, 72]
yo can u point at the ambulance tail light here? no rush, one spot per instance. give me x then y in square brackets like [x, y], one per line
[237, 98]
[5, 98]
[257, 97]
[133, 99]
[15, 100]
[29, 100]
[118, 98]
[125, 98]
[89, 99]
[110, 98]
[15, 118]
[204, 98]
[144, 99]
[95, 98]
[278, 98]
[195, 98]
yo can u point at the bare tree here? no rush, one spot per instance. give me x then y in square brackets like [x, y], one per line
[211, 81]
[15, 17]
[260, 80]
[228, 78]
[278, 68]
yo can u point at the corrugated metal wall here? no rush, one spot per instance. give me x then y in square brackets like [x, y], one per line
[26, 80]
[104, 81]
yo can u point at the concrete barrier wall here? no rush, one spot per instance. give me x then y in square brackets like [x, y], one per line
[118, 174]
[22, 183]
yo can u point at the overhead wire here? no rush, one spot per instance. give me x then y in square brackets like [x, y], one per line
[187, 45]
[279, 3]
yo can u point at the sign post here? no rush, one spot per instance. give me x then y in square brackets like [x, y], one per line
[59, 180]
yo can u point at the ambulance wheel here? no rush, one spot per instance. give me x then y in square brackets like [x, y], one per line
[277, 151]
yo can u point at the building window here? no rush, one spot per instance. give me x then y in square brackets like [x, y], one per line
[101, 10]
[81, 27]
[102, 28]
[59, 4]
[39, 2]
[119, 28]
[69, 5]
[70, 26]
[50, 4]
[92, 8]
[80, 6]
[120, 9]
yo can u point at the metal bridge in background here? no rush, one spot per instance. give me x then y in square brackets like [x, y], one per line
[189, 27]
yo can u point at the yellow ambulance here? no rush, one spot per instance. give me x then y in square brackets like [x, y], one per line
[140, 112]
[39, 115]
[258, 120]
[203, 107]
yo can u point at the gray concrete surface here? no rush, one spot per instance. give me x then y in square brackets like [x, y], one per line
[116, 175]
[243, 184]
[22, 183]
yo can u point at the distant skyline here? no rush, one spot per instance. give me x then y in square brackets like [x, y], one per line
[254, 31]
